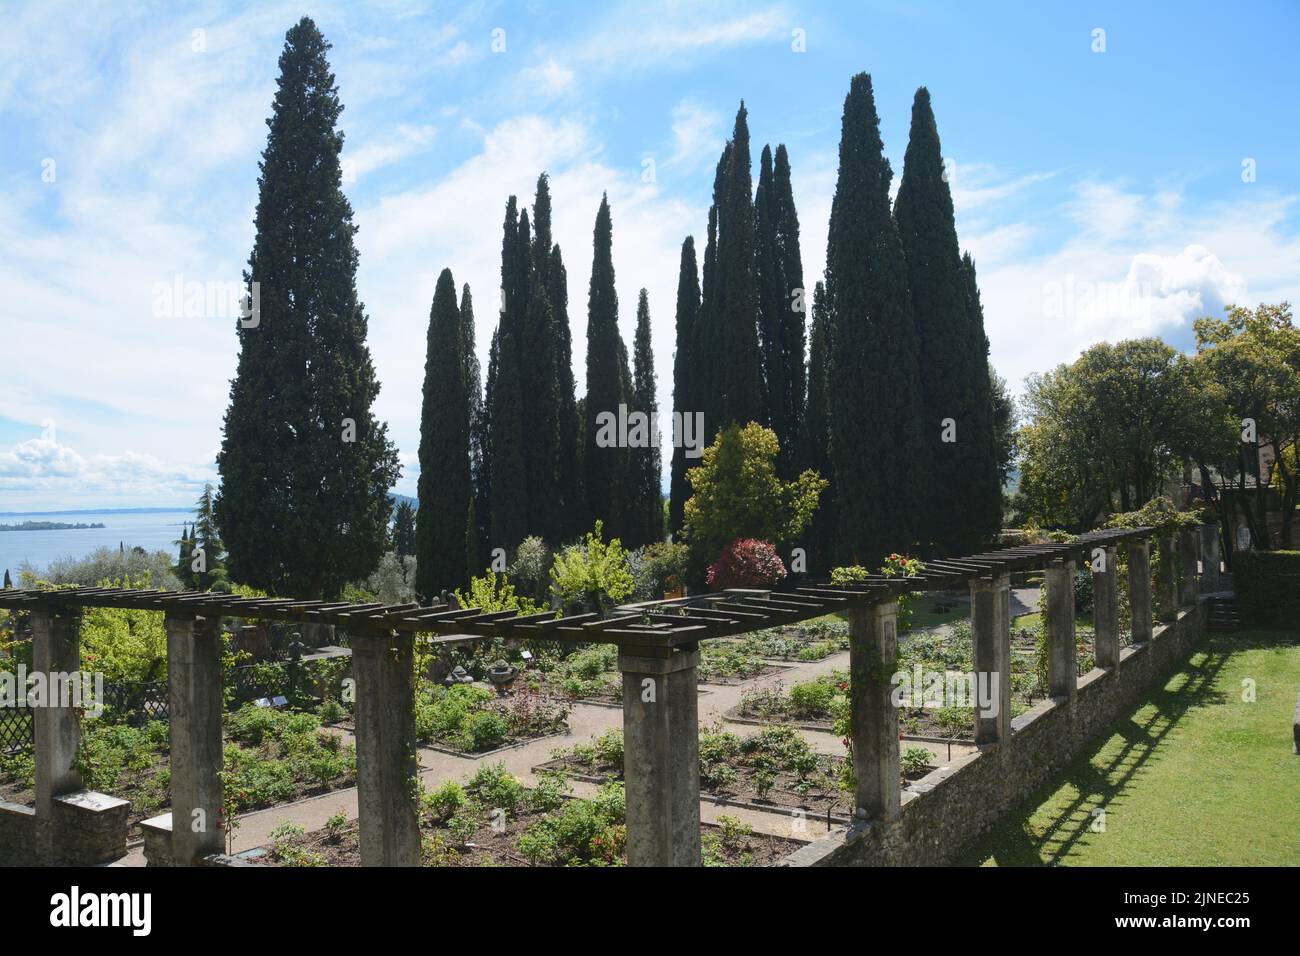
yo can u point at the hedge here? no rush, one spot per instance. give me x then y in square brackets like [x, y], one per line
[1267, 585]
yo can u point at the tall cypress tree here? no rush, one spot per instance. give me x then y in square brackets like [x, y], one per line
[549, 384]
[816, 435]
[445, 491]
[877, 449]
[709, 353]
[986, 493]
[954, 375]
[646, 464]
[542, 429]
[509, 522]
[740, 368]
[573, 501]
[305, 466]
[781, 305]
[685, 400]
[607, 385]
[479, 523]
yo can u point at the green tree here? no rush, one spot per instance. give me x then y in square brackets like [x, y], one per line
[1253, 358]
[445, 491]
[1102, 433]
[877, 448]
[737, 493]
[404, 529]
[646, 471]
[820, 540]
[479, 520]
[305, 466]
[205, 538]
[740, 365]
[781, 304]
[962, 508]
[509, 485]
[607, 384]
[542, 450]
[685, 391]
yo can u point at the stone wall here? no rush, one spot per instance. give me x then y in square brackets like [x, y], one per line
[945, 812]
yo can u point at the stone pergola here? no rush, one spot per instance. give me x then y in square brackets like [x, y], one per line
[658, 651]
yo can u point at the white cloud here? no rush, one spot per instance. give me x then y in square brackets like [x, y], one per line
[1131, 264]
[549, 78]
[406, 140]
[42, 471]
[697, 135]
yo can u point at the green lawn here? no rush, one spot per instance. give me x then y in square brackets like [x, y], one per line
[1194, 777]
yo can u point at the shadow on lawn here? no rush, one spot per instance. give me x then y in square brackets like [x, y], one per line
[1012, 844]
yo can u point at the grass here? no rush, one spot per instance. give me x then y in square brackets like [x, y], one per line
[1196, 776]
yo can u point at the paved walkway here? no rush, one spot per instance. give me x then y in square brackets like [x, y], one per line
[585, 722]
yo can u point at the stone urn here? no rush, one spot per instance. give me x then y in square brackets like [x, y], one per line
[501, 675]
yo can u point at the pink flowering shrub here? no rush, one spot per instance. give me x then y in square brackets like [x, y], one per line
[746, 563]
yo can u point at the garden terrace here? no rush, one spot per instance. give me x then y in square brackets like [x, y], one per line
[658, 654]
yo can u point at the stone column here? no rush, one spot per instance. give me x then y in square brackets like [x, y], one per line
[1105, 606]
[1189, 559]
[56, 653]
[1139, 590]
[195, 706]
[383, 668]
[1167, 594]
[873, 648]
[991, 624]
[1210, 559]
[661, 756]
[1063, 676]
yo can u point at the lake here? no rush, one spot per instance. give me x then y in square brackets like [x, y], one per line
[151, 530]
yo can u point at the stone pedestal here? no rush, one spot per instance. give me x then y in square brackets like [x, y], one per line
[387, 765]
[1211, 560]
[1063, 676]
[196, 705]
[661, 756]
[991, 624]
[1139, 590]
[56, 653]
[873, 647]
[1105, 610]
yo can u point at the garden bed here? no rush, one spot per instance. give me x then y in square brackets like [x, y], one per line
[468, 719]
[495, 821]
[271, 757]
[774, 770]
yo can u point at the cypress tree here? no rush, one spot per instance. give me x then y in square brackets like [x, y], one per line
[781, 305]
[816, 437]
[479, 521]
[573, 501]
[607, 384]
[404, 529]
[542, 428]
[8, 581]
[877, 449]
[954, 372]
[305, 466]
[708, 335]
[685, 401]
[444, 488]
[986, 493]
[509, 522]
[740, 366]
[646, 464]
[549, 383]
[483, 490]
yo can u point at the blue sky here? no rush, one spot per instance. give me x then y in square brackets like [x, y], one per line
[1103, 192]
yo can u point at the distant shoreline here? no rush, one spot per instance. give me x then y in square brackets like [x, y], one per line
[96, 511]
[51, 526]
